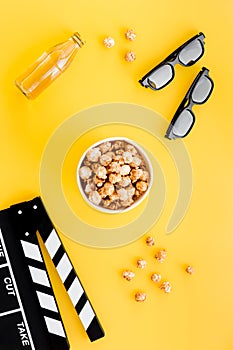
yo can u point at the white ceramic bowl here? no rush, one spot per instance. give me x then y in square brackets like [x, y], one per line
[85, 173]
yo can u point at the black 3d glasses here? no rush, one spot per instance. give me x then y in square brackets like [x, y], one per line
[200, 90]
[186, 55]
[184, 118]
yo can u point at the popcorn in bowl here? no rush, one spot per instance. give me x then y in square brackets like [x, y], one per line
[114, 175]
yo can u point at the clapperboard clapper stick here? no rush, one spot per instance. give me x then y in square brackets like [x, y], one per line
[29, 314]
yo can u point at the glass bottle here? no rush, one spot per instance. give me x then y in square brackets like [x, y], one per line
[48, 67]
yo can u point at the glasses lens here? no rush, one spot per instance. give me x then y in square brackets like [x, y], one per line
[160, 77]
[191, 53]
[183, 123]
[202, 90]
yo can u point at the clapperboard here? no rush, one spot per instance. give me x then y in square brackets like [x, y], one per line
[29, 314]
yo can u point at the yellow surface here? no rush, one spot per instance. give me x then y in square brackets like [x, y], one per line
[198, 312]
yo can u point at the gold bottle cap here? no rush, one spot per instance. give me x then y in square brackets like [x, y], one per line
[77, 37]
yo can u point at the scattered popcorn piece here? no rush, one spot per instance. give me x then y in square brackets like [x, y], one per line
[118, 144]
[161, 255]
[114, 167]
[156, 277]
[125, 181]
[127, 156]
[93, 155]
[130, 35]
[140, 296]
[85, 172]
[105, 160]
[123, 195]
[95, 167]
[110, 153]
[128, 275]
[144, 176]
[102, 193]
[119, 151]
[131, 149]
[141, 186]
[97, 181]
[150, 241]
[190, 270]
[135, 162]
[101, 172]
[109, 42]
[141, 263]
[108, 188]
[119, 159]
[125, 170]
[137, 194]
[95, 198]
[166, 287]
[114, 196]
[135, 174]
[90, 186]
[130, 56]
[114, 178]
[105, 147]
[130, 190]
[127, 202]
[87, 163]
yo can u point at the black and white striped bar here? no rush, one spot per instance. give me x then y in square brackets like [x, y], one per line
[70, 280]
[40, 221]
[44, 291]
[73, 285]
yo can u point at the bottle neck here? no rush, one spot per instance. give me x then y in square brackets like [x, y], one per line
[77, 39]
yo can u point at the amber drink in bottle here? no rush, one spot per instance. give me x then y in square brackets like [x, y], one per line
[48, 66]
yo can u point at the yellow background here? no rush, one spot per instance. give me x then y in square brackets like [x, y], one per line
[198, 313]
